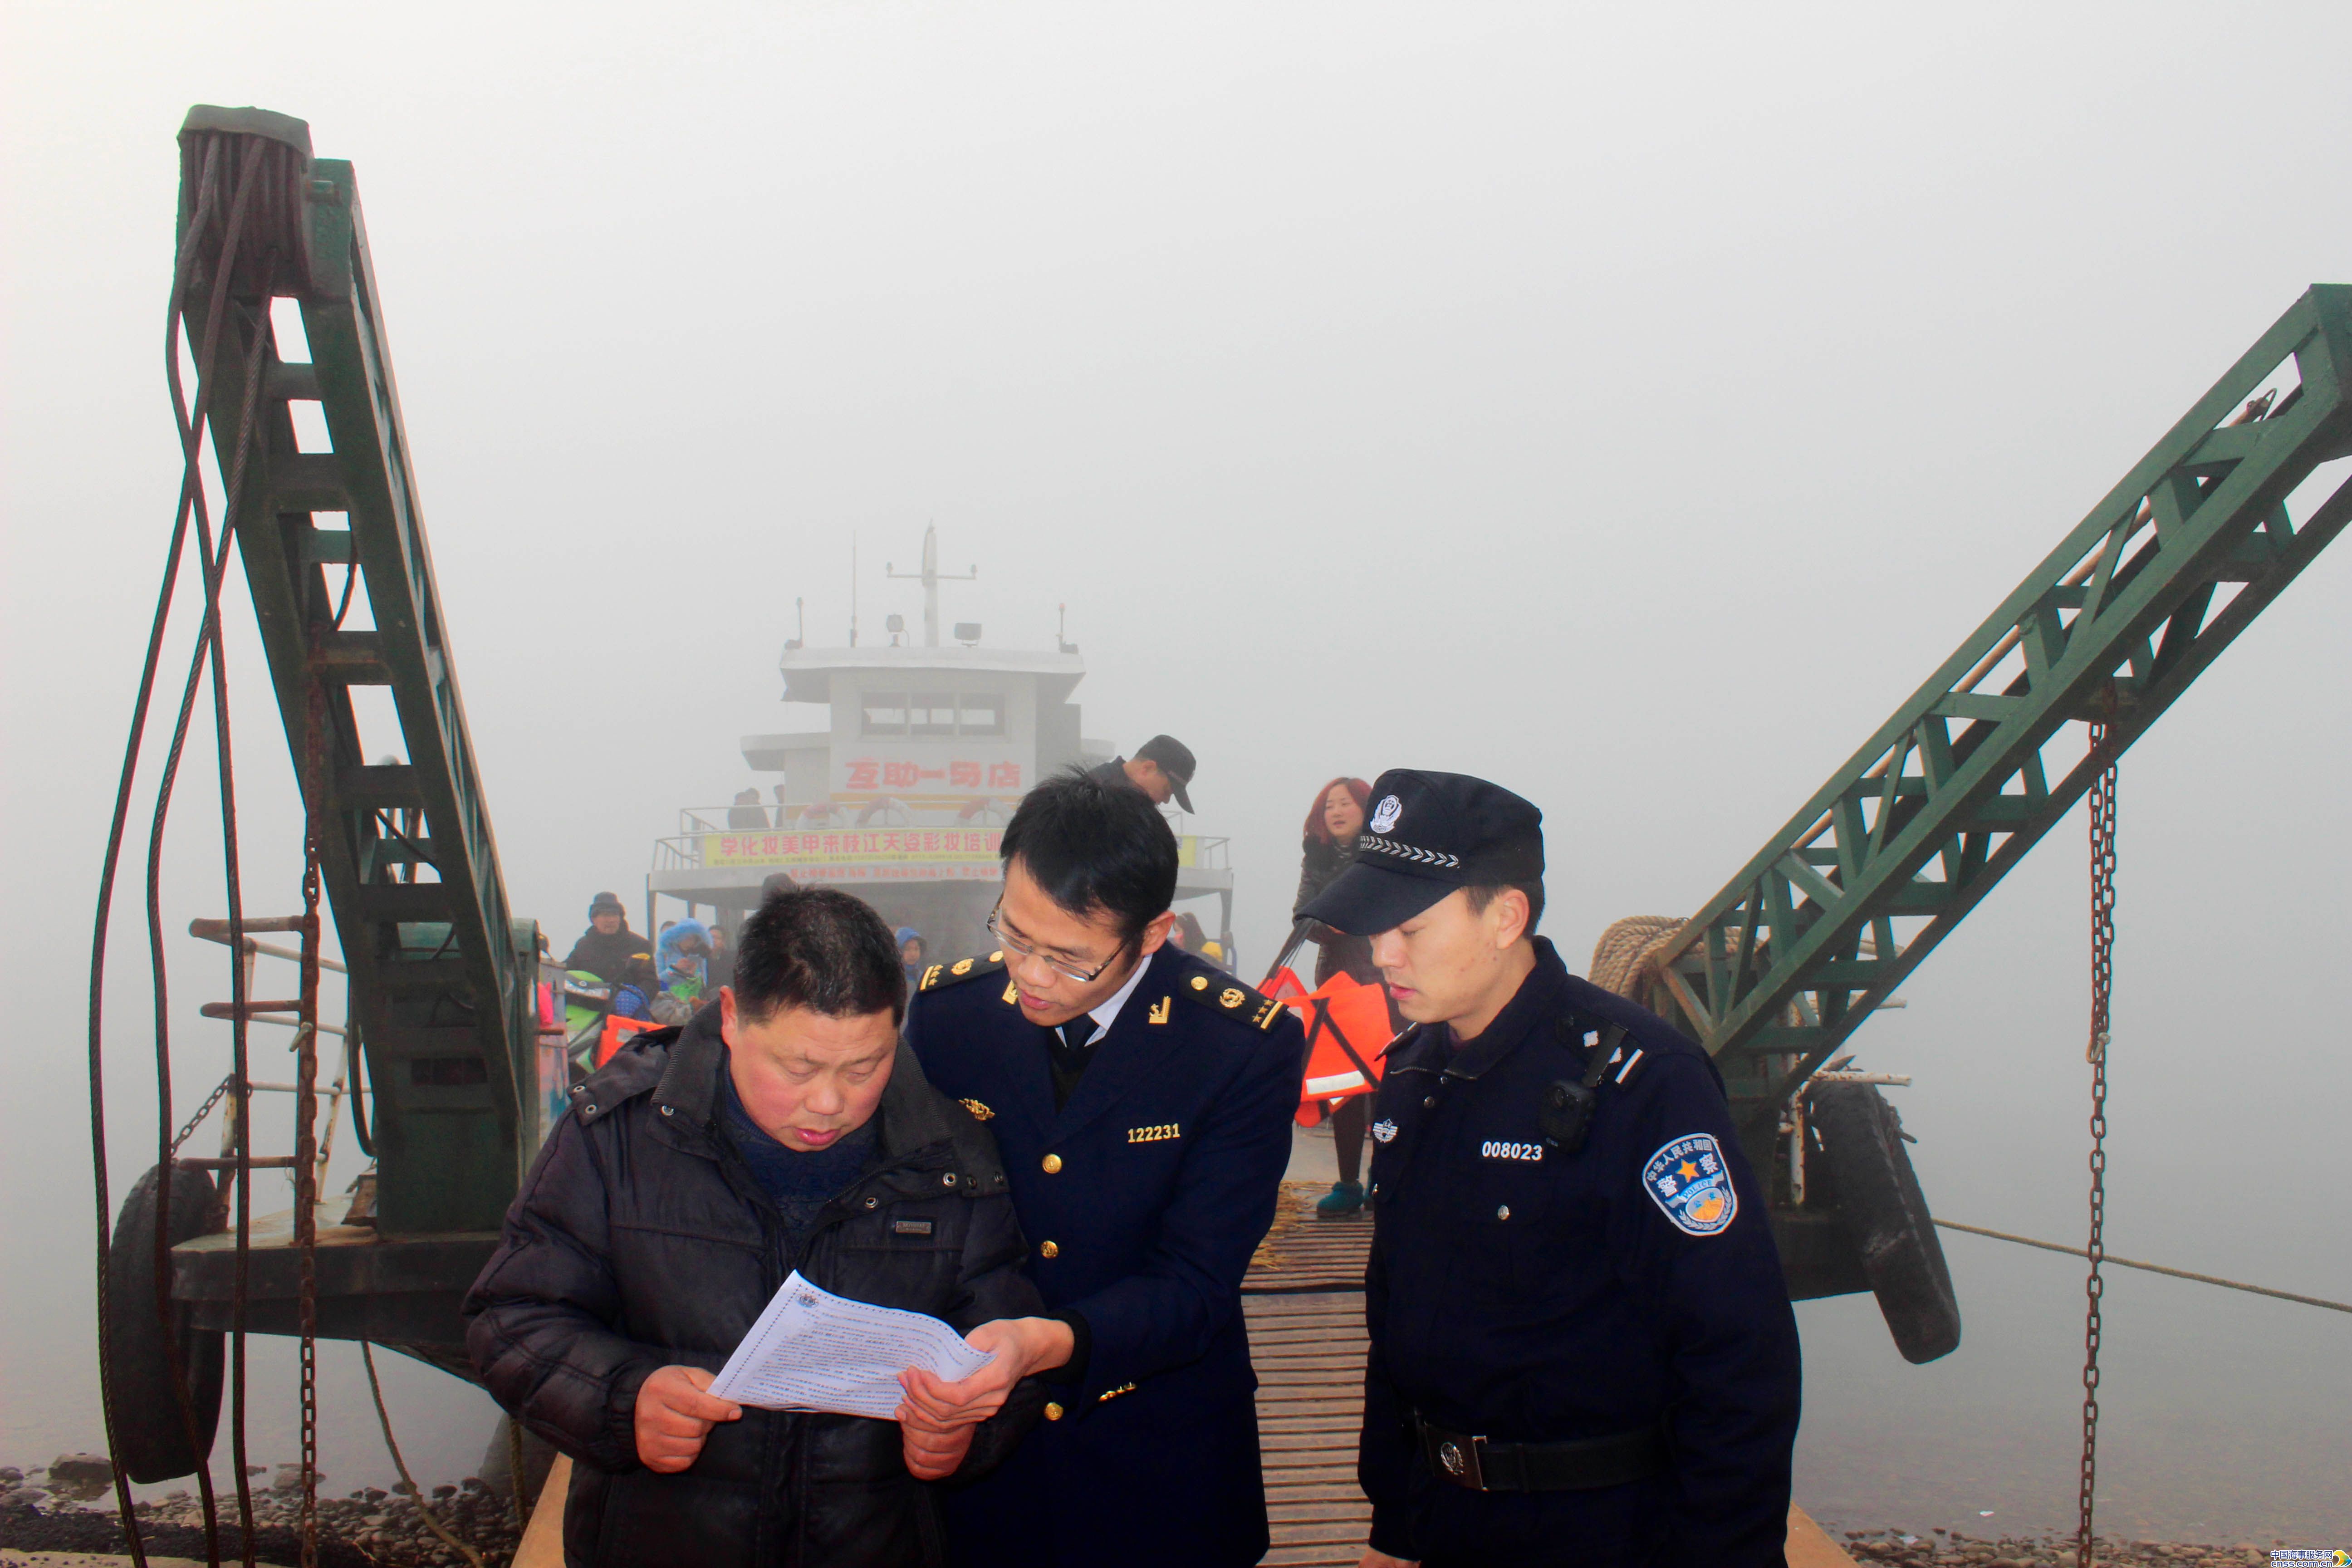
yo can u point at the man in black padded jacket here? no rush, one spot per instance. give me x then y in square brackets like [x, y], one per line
[783, 1127]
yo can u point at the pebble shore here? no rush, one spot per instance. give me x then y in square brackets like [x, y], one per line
[69, 1506]
[1941, 1547]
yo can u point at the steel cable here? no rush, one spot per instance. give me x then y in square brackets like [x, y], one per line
[101, 1188]
[191, 505]
[209, 655]
[2105, 1258]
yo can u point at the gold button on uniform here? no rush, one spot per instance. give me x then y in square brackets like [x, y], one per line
[1047, 1249]
[1053, 1164]
[1053, 1413]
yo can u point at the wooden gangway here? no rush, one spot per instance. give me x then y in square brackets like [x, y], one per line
[1304, 1298]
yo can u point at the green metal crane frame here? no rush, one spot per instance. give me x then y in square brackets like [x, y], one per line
[441, 975]
[1905, 837]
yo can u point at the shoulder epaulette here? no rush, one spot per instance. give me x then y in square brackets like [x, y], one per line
[963, 969]
[1224, 993]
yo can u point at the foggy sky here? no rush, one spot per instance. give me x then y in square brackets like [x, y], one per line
[1630, 405]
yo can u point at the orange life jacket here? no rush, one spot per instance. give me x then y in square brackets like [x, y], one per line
[1347, 1025]
[617, 1031]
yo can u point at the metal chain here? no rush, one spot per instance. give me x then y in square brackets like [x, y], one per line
[188, 1130]
[305, 1090]
[2102, 947]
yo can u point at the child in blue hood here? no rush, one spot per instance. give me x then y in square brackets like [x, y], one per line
[679, 966]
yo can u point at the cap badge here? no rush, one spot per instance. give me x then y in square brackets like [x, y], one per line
[1385, 814]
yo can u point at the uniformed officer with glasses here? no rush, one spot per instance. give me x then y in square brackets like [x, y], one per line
[1142, 1101]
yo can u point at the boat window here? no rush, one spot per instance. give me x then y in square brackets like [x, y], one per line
[934, 713]
[983, 714]
[886, 714]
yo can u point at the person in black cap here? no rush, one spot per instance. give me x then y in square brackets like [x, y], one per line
[1162, 768]
[608, 946]
[1582, 1350]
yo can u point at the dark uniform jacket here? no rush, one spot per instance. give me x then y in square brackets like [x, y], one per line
[1143, 1200]
[1525, 1295]
[641, 1240]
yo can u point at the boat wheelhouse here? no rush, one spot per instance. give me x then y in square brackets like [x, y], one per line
[903, 797]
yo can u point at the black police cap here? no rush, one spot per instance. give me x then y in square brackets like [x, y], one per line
[1427, 835]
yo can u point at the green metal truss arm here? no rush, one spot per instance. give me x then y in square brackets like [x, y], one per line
[441, 976]
[1781, 966]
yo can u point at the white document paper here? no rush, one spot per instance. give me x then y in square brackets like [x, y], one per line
[813, 1350]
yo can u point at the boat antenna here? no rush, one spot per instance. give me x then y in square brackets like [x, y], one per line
[930, 579]
[853, 590]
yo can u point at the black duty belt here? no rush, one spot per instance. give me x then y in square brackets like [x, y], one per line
[1585, 1465]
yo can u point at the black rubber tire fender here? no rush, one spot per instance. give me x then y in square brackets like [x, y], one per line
[1884, 1213]
[151, 1437]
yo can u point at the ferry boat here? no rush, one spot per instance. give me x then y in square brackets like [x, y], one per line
[903, 797]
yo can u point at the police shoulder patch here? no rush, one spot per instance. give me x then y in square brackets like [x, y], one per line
[942, 974]
[1223, 993]
[1686, 1179]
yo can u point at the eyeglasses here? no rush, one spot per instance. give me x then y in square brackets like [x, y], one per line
[1022, 949]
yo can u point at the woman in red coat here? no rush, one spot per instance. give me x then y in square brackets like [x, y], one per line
[1333, 823]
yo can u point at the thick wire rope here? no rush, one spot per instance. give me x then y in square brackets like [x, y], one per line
[191, 503]
[101, 1188]
[191, 424]
[209, 655]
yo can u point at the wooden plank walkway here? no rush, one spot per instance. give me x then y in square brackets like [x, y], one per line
[1304, 1298]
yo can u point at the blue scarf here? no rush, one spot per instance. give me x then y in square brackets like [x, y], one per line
[798, 1184]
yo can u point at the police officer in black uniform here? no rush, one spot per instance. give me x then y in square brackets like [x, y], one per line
[1142, 1101]
[1582, 1350]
